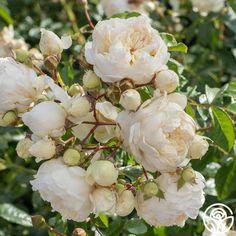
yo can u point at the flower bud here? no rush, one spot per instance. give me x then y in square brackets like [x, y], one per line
[51, 62]
[104, 200]
[130, 99]
[75, 89]
[91, 80]
[125, 203]
[166, 80]
[38, 222]
[9, 118]
[51, 44]
[71, 157]
[23, 56]
[198, 147]
[23, 147]
[43, 149]
[80, 107]
[150, 189]
[79, 232]
[102, 172]
[188, 175]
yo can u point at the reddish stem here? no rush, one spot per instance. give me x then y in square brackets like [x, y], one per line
[88, 17]
[97, 123]
[88, 135]
[38, 70]
[51, 229]
[145, 173]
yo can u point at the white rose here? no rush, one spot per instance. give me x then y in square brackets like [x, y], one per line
[112, 7]
[166, 80]
[228, 233]
[23, 147]
[65, 188]
[19, 86]
[209, 5]
[126, 48]
[8, 44]
[130, 99]
[46, 119]
[177, 205]
[104, 200]
[159, 134]
[125, 203]
[102, 172]
[51, 44]
[198, 148]
[43, 149]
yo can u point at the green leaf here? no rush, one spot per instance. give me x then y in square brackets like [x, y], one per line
[116, 227]
[6, 16]
[104, 219]
[223, 132]
[232, 108]
[179, 47]
[211, 93]
[226, 180]
[15, 215]
[136, 226]
[173, 45]
[126, 15]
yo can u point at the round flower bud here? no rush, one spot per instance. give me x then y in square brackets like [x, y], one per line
[75, 89]
[166, 80]
[198, 148]
[43, 149]
[51, 44]
[23, 56]
[71, 157]
[130, 99]
[91, 80]
[38, 222]
[9, 118]
[188, 174]
[150, 189]
[102, 172]
[80, 107]
[23, 147]
[125, 203]
[79, 232]
[104, 200]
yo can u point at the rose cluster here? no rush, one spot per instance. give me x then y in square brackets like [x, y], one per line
[77, 132]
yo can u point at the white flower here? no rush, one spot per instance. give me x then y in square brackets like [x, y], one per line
[19, 86]
[159, 134]
[198, 148]
[130, 99]
[51, 44]
[177, 205]
[65, 188]
[46, 119]
[229, 233]
[104, 200]
[102, 172]
[126, 48]
[43, 149]
[167, 80]
[106, 112]
[23, 147]
[112, 7]
[208, 6]
[8, 44]
[125, 203]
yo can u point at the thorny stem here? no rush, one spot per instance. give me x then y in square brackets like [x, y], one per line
[51, 229]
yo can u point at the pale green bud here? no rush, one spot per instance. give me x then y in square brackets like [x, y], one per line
[130, 100]
[75, 89]
[72, 157]
[91, 80]
[188, 174]
[150, 189]
[9, 118]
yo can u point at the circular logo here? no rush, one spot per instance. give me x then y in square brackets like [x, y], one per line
[218, 218]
